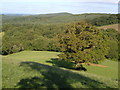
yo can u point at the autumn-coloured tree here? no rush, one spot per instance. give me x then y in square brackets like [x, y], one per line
[83, 43]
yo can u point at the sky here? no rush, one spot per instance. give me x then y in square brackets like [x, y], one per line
[113, 1]
[57, 6]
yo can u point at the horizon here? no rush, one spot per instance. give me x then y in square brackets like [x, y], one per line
[58, 7]
[52, 13]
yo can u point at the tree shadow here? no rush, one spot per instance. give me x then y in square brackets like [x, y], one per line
[61, 63]
[54, 77]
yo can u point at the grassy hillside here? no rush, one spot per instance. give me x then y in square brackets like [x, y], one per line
[38, 69]
[114, 26]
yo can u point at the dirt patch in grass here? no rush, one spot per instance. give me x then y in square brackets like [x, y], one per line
[98, 65]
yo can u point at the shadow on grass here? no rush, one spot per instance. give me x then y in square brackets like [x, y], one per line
[61, 63]
[54, 77]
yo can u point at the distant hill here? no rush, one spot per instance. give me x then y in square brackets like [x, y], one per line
[16, 14]
[11, 16]
[54, 14]
[53, 18]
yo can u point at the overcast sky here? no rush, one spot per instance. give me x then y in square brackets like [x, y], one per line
[56, 6]
[113, 1]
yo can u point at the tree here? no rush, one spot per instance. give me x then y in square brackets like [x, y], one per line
[83, 43]
[113, 43]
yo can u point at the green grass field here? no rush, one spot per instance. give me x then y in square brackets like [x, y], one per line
[39, 69]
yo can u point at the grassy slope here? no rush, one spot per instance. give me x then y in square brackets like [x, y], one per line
[32, 69]
[114, 26]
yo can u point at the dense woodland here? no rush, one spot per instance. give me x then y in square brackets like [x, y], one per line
[104, 20]
[40, 32]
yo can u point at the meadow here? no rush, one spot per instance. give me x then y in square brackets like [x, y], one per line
[41, 69]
